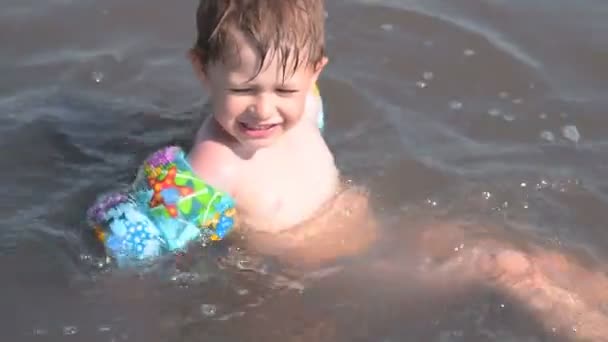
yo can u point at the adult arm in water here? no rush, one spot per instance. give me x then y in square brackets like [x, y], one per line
[555, 287]
[559, 289]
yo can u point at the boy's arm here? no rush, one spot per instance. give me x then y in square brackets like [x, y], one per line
[213, 160]
[346, 227]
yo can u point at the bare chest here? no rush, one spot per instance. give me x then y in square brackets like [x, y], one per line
[283, 188]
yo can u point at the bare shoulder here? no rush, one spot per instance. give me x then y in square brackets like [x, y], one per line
[213, 159]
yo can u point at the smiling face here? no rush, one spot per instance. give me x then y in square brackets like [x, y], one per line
[254, 105]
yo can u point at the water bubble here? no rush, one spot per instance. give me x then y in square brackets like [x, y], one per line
[86, 258]
[104, 328]
[40, 332]
[526, 205]
[571, 133]
[547, 136]
[431, 202]
[469, 52]
[455, 105]
[542, 185]
[503, 95]
[428, 75]
[508, 117]
[184, 279]
[97, 76]
[445, 336]
[502, 306]
[518, 101]
[242, 292]
[70, 330]
[542, 116]
[386, 27]
[505, 205]
[208, 310]
[458, 333]
[244, 264]
[421, 84]
[494, 112]
[486, 195]
[231, 315]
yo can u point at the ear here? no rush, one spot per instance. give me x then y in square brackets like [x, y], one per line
[194, 55]
[318, 68]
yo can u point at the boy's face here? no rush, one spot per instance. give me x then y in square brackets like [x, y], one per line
[256, 111]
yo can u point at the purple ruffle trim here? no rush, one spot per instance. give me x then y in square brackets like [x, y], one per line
[97, 212]
[163, 156]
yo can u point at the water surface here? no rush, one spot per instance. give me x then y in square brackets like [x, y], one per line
[492, 110]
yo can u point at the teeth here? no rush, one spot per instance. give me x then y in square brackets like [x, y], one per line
[258, 127]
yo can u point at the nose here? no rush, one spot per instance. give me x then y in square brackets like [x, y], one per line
[263, 107]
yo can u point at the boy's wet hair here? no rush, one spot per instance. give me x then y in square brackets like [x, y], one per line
[293, 29]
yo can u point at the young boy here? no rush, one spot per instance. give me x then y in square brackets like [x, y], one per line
[259, 61]
[260, 153]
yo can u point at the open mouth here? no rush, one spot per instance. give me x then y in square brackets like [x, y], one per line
[257, 127]
[256, 130]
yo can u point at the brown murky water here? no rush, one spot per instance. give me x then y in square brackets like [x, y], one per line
[487, 110]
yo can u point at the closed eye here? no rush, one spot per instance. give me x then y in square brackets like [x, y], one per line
[286, 91]
[241, 90]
